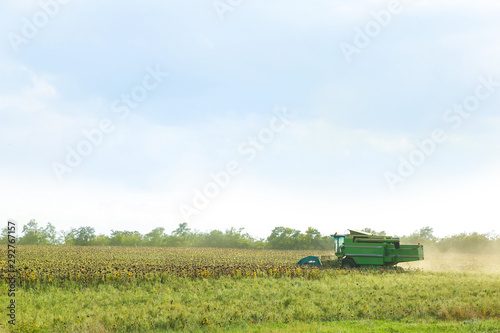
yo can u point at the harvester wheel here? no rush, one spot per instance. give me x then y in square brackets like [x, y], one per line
[348, 263]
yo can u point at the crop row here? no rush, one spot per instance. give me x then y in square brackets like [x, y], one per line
[56, 264]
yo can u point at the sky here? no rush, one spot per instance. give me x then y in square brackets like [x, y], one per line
[337, 115]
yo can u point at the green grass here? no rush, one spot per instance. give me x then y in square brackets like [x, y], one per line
[350, 301]
[382, 326]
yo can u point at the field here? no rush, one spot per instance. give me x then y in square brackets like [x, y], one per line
[137, 289]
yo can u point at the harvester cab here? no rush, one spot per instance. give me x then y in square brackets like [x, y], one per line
[339, 242]
[362, 249]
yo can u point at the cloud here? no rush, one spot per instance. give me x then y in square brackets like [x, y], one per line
[461, 5]
[101, 207]
[355, 120]
[448, 208]
[324, 136]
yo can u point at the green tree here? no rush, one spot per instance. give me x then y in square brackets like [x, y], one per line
[84, 236]
[424, 235]
[284, 239]
[235, 238]
[132, 238]
[156, 237]
[311, 239]
[68, 237]
[182, 230]
[467, 243]
[181, 236]
[116, 238]
[48, 235]
[125, 238]
[32, 234]
[371, 231]
[101, 240]
[214, 238]
[4, 236]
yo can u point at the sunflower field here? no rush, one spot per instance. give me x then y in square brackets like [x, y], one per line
[159, 289]
[57, 265]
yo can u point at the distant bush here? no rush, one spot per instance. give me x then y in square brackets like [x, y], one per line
[469, 243]
[281, 238]
[473, 243]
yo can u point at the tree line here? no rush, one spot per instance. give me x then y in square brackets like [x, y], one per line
[281, 238]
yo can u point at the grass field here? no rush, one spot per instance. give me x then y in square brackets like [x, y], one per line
[74, 289]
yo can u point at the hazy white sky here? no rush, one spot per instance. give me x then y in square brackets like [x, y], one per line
[330, 114]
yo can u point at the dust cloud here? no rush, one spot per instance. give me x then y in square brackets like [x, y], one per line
[457, 262]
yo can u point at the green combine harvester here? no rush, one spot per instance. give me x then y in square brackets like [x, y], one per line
[362, 249]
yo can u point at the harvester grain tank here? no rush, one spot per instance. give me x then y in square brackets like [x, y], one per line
[362, 249]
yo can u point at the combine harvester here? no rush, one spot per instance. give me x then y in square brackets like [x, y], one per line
[361, 249]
